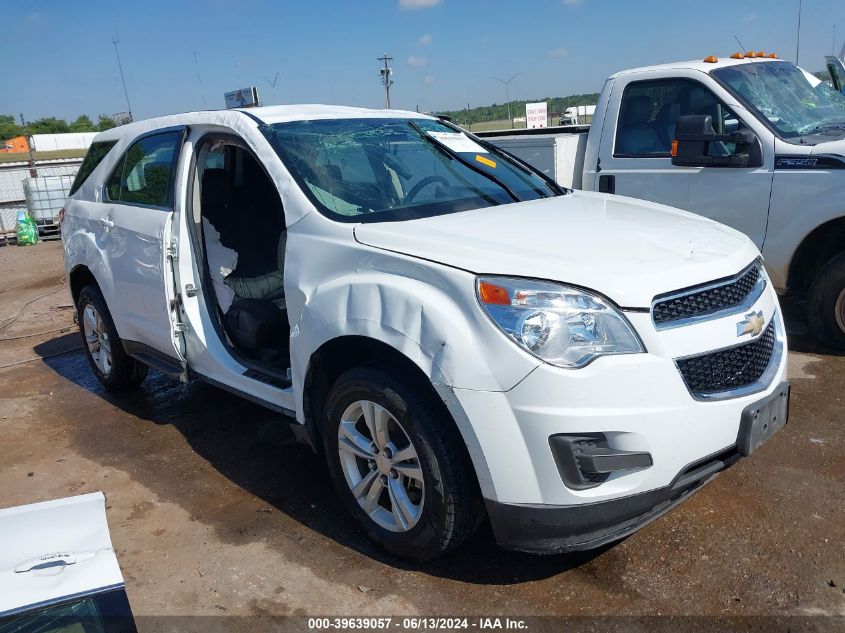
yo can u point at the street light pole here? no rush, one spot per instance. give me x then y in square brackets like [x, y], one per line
[508, 93]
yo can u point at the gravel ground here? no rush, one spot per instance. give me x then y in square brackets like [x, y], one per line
[215, 511]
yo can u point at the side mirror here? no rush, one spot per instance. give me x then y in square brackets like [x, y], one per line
[693, 136]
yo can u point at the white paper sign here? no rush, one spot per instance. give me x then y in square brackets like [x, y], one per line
[536, 114]
[458, 142]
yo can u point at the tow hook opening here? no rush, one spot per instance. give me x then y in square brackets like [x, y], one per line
[586, 461]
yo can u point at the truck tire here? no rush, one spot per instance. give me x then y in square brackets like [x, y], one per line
[103, 347]
[826, 304]
[399, 463]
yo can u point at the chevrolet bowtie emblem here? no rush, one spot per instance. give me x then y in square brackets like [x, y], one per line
[752, 324]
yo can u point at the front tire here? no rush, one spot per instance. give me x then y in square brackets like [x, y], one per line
[399, 463]
[113, 367]
[826, 304]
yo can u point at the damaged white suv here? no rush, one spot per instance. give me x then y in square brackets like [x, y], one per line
[457, 334]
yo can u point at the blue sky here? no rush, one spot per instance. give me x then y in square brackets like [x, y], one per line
[58, 59]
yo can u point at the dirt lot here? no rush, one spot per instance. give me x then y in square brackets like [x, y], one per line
[215, 511]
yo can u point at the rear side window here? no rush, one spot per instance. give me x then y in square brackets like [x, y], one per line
[96, 153]
[145, 175]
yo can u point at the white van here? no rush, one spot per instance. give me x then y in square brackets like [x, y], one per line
[460, 336]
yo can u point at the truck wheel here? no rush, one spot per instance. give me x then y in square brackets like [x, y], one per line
[826, 304]
[399, 463]
[103, 348]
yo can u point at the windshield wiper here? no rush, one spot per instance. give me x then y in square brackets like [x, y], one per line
[451, 154]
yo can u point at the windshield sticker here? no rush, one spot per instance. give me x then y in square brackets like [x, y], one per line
[458, 142]
[485, 161]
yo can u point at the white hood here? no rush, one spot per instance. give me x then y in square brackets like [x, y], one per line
[627, 249]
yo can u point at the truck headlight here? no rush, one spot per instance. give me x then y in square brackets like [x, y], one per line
[559, 324]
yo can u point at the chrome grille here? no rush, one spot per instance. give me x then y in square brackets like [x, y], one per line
[711, 299]
[729, 369]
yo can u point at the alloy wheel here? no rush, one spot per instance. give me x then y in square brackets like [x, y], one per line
[381, 466]
[97, 339]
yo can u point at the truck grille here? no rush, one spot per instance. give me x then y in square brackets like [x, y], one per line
[731, 368]
[713, 298]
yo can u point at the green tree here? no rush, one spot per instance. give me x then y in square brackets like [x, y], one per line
[105, 122]
[48, 125]
[83, 123]
[8, 127]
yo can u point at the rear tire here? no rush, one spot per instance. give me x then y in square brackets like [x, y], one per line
[113, 367]
[399, 463]
[826, 304]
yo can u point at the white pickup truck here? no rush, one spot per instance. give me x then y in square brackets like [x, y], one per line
[750, 141]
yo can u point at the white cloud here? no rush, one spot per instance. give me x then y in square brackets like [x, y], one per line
[425, 40]
[429, 79]
[32, 18]
[558, 52]
[572, 3]
[751, 17]
[417, 62]
[412, 5]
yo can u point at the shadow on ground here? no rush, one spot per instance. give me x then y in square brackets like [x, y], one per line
[254, 448]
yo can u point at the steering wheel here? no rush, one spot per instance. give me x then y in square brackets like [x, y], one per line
[425, 182]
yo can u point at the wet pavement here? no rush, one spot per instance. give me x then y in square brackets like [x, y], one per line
[214, 510]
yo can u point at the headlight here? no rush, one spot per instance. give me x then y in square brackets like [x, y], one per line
[561, 325]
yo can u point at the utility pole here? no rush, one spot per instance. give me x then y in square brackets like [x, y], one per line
[33, 170]
[508, 94]
[798, 35]
[386, 74]
[115, 41]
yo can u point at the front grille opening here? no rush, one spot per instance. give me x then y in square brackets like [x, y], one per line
[730, 368]
[708, 301]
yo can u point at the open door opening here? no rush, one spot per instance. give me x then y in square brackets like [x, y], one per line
[242, 235]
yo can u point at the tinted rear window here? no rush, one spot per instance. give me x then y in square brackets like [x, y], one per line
[96, 153]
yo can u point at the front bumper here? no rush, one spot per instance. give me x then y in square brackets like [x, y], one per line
[543, 529]
[639, 403]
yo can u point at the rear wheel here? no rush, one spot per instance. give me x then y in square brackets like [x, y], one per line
[399, 463]
[826, 304]
[103, 348]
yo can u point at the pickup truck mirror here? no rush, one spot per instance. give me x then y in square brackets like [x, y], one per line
[694, 135]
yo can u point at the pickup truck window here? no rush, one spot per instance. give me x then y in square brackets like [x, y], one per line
[377, 170]
[650, 109]
[782, 96]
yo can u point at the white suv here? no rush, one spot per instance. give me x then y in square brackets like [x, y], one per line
[456, 333]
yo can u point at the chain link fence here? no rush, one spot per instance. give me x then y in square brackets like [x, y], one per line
[13, 197]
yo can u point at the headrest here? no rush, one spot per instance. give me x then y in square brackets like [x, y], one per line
[637, 110]
[216, 187]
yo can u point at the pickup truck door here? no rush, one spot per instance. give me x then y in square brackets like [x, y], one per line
[140, 196]
[635, 153]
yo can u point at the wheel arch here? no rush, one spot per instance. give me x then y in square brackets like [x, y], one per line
[80, 277]
[342, 353]
[817, 248]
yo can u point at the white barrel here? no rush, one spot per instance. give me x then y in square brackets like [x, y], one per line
[45, 196]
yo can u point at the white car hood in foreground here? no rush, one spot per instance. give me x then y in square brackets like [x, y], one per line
[629, 250]
[55, 550]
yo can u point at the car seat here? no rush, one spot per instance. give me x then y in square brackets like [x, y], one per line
[637, 133]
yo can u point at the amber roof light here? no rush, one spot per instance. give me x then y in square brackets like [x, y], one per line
[711, 59]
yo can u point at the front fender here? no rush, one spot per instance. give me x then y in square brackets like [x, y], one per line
[424, 311]
[802, 201]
